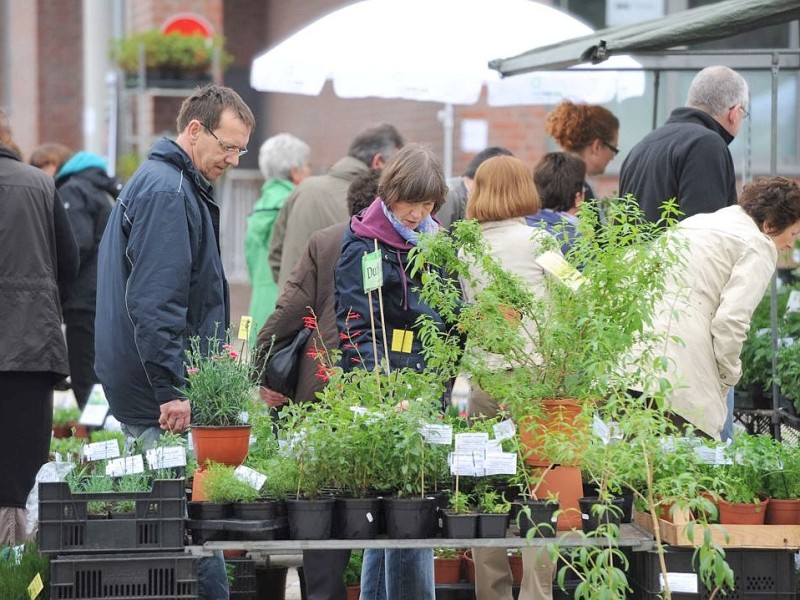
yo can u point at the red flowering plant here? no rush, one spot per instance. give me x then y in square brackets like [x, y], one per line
[366, 428]
[221, 382]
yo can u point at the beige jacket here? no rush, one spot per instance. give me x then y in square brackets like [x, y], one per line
[516, 245]
[727, 266]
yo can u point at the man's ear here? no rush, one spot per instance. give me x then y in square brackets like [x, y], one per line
[378, 162]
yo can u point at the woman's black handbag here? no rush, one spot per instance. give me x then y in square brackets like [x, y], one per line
[284, 365]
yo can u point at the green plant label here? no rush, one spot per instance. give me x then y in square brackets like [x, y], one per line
[372, 271]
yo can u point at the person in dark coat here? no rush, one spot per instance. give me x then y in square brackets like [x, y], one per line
[411, 188]
[688, 158]
[88, 194]
[160, 279]
[311, 285]
[39, 255]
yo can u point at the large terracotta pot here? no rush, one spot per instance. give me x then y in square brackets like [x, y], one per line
[749, 513]
[565, 484]
[559, 416]
[783, 512]
[227, 445]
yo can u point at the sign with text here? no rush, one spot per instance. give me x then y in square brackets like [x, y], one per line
[372, 271]
[101, 450]
[127, 465]
[166, 457]
[250, 476]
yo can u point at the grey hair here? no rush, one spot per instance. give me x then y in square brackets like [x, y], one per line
[381, 139]
[716, 90]
[280, 153]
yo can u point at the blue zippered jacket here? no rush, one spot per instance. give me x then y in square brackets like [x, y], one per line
[160, 282]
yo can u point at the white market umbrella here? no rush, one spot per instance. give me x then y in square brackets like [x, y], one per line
[437, 51]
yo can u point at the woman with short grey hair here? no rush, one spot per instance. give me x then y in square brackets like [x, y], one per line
[283, 161]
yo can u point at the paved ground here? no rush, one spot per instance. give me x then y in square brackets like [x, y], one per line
[292, 585]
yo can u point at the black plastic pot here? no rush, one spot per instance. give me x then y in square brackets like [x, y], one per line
[492, 525]
[270, 582]
[591, 521]
[460, 526]
[541, 519]
[357, 518]
[263, 510]
[310, 519]
[208, 510]
[409, 518]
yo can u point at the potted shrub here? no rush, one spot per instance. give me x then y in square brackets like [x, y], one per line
[493, 513]
[352, 574]
[783, 487]
[447, 565]
[221, 386]
[65, 423]
[460, 520]
[170, 59]
[741, 482]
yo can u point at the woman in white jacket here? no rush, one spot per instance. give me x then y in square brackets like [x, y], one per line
[729, 257]
[503, 194]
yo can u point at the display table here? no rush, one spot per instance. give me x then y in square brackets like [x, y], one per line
[632, 536]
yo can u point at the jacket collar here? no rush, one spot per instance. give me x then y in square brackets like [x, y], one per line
[167, 150]
[6, 152]
[686, 114]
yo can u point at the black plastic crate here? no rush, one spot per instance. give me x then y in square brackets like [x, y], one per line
[156, 524]
[244, 579]
[155, 576]
[758, 574]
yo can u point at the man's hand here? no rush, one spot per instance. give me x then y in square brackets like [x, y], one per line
[272, 398]
[175, 415]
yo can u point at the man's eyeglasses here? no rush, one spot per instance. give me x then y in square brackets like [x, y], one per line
[226, 148]
[611, 147]
[745, 113]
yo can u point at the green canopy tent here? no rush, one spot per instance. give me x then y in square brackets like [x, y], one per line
[655, 44]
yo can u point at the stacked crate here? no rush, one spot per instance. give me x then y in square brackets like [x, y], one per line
[136, 555]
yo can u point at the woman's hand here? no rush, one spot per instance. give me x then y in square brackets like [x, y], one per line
[272, 398]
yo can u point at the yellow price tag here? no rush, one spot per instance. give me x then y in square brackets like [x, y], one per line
[36, 586]
[402, 340]
[245, 324]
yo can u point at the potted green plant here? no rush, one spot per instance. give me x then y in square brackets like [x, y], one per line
[64, 420]
[494, 513]
[783, 487]
[447, 565]
[741, 481]
[170, 59]
[352, 574]
[221, 386]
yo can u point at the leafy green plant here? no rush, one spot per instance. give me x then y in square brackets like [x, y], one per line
[169, 50]
[222, 485]
[352, 572]
[133, 482]
[66, 416]
[783, 481]
[493, 502]
[221, 382]
[17, 571]
[98, 484]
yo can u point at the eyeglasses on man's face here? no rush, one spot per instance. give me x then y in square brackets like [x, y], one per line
[611, 147]
[745, 112]
[226, 148]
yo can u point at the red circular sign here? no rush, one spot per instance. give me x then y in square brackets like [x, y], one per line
[188, 24]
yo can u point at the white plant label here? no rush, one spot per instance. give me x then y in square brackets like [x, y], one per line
[471, 442]
[466, 464]
[679, 582]
[101, 450]
[501, 464]
[555, 264]
[494, 447]
[793, 304]
[437, 434]
[96, 409]
[370, 518]
[127, 465]
[250, 476]
[505, 430]
[166, 457]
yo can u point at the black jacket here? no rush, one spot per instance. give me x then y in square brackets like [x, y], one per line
[686, 158]
[160, 282]
[88, 197]
[37, 253]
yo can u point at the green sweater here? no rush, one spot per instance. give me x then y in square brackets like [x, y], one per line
[256, 248]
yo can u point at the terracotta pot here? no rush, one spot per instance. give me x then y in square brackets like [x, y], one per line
[783, 512]
[353, 592]
[447, 570]
[565, 484]
[749, 513]
[515, 561]
[226, 445]
[469, 566]
[559, 417]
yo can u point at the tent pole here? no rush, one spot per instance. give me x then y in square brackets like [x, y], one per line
[656, 90]
[773, 312]
[445, 116]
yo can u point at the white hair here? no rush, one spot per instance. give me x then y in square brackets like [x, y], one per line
[280, 153]
[716, 90]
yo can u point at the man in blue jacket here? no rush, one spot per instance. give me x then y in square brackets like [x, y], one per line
[160, 278]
